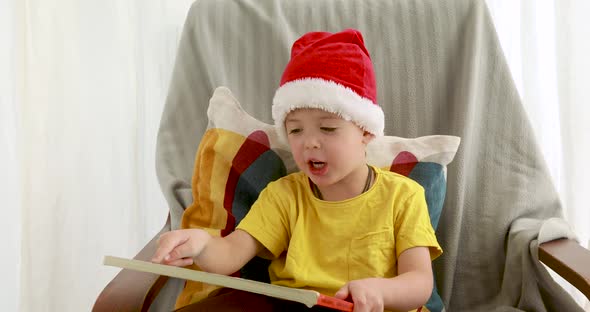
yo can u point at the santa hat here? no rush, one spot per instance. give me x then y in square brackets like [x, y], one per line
[333, 72]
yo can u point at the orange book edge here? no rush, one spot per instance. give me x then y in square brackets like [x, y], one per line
[305, 296]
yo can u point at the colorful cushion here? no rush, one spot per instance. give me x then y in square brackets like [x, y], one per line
[239, 155]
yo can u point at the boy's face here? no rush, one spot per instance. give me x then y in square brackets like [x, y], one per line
[329, 149]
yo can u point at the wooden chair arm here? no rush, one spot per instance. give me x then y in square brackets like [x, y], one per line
[132, 290]
[570, 260]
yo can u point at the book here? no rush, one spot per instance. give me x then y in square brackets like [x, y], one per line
[305, 296]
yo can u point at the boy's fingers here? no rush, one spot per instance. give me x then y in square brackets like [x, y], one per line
[158, 257]
[181, 262]
[342, 293]
[166, 243]
[179, 252]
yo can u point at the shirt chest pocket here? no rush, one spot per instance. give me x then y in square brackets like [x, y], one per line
[372, 255]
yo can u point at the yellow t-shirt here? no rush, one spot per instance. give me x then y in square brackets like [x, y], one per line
[321, 245]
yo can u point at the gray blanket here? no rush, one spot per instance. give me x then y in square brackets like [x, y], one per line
[440, 70]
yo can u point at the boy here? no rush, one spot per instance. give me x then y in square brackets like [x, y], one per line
[338, 226]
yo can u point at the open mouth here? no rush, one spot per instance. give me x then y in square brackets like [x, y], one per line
[317, 167]
[317, 164]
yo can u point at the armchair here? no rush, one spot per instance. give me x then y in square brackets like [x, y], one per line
[440, 70]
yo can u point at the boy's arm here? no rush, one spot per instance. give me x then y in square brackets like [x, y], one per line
[222, 255]
[414, 282]
[409, 290]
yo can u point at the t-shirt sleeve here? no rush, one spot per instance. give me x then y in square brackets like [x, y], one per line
[413, 227]
[268, 222]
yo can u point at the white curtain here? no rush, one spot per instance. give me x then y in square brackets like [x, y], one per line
[82, 87]
[82, 94]
[10, 184]
[547, 47]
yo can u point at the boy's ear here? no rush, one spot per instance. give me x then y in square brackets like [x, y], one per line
[367, 137]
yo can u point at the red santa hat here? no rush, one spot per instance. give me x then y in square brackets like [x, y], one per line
[333, 72]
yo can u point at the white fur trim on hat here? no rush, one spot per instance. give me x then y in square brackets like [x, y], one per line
[329, 96]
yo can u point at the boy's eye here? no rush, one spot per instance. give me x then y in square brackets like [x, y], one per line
[294, 131]
[328, 129]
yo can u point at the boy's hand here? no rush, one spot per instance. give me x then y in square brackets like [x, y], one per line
[366, 295]
[179, 247]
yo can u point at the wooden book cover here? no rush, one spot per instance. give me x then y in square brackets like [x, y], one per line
[307, 297]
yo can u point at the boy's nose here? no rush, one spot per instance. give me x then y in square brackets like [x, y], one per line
[311, 142]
